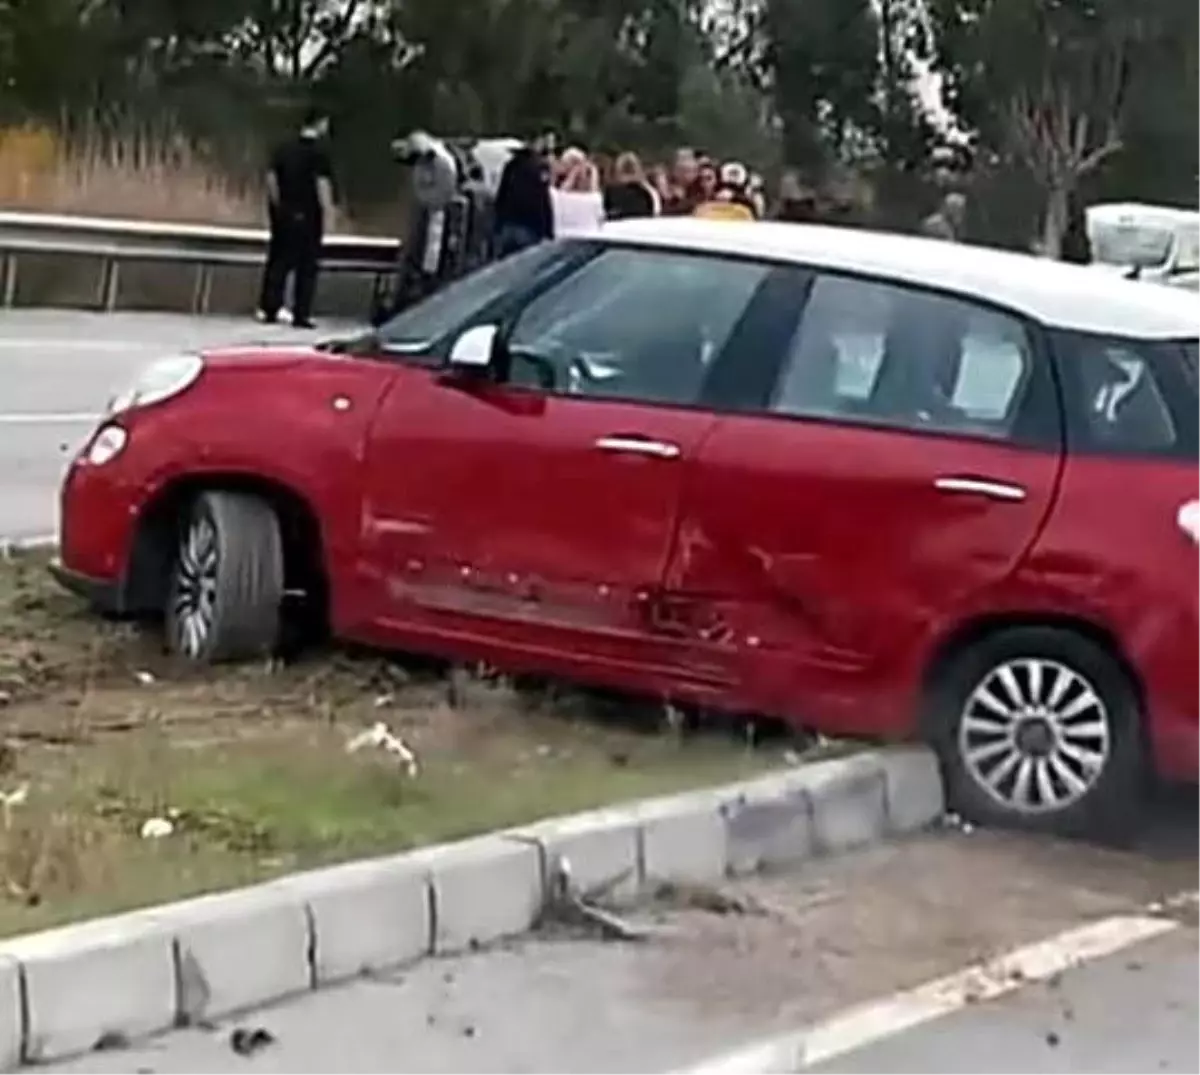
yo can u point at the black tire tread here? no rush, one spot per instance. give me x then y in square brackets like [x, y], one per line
[250, 576]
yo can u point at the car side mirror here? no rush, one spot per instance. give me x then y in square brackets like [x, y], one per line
[474, 349]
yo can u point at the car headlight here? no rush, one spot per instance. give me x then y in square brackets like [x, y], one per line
[157, 382]
[106, 445]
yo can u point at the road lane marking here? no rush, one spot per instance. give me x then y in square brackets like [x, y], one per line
[877, 1020]
[48, 418]
[33, 343]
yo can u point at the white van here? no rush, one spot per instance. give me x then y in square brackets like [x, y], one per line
[1156, 243]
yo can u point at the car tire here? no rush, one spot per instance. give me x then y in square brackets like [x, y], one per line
[1039, 729]
[227, 580]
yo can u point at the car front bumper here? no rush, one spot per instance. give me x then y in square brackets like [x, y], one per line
[98, 509]
[104, 595]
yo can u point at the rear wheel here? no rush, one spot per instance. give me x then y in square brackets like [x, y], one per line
[1039, 728]
[227, 586]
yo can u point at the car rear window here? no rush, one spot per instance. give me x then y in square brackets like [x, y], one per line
[1124, 393]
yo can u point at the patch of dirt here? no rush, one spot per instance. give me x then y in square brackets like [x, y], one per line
[102, 735]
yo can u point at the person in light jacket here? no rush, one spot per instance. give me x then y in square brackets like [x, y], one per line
[577, 206]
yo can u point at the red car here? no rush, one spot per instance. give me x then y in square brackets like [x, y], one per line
[877, 485]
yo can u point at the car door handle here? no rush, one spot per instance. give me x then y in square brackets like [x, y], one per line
[982, 487]
[660, 449]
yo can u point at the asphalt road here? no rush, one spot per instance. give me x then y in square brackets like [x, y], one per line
[837, 935]
[57, 371]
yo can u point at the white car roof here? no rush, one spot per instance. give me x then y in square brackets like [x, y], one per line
[1052, 292]
[1141, 213]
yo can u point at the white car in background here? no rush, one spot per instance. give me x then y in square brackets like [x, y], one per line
[1155, 243]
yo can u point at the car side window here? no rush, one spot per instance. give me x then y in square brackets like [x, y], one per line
[632, 324]
[885, 354]
[419, 326]
[1123, 404]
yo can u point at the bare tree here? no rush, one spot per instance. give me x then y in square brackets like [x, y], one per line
[1046, 83]
[1067, 123]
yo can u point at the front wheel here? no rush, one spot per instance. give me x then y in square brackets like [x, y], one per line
[227, 586]
[1039, 729]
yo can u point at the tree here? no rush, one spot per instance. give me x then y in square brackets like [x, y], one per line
[231, 74]
[35, 35]
[820, 60]
[1047, 83]
[905, 42]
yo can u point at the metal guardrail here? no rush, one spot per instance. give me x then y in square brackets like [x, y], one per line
[113, 241]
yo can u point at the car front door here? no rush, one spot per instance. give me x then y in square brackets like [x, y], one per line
[536, 513]
[905, 462]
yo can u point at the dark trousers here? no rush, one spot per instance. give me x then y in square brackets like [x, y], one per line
[294, 250]
[513, 237]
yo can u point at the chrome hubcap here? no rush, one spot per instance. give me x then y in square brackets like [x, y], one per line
[194, 595]
[1035, 735]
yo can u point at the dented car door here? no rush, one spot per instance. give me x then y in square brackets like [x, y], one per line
[560, 478]
[902, 466]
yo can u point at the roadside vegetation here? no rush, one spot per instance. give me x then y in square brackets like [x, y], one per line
[106, 744]
[140, 175]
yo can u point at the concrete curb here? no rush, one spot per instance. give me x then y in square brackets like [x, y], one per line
[66, 991]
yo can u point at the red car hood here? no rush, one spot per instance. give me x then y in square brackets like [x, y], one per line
[264, 356]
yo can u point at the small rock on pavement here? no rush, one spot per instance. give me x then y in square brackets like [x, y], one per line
[246, 1041]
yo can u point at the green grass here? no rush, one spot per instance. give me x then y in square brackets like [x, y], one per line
[251, 761]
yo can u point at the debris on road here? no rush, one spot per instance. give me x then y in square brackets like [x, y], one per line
[111, 1041]
[708, 899]
[566, 906]
[951, 820]
[246, 1041]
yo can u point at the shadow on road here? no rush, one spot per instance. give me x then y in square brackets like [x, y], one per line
[1172, 829]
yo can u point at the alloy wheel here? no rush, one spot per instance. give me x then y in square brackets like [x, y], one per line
[193, 601]
[1035, 735]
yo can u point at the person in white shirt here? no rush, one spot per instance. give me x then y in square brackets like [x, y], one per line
[576, 200]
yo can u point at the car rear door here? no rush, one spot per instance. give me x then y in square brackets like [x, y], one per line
[904, 463]
[1120, 538]
[545, 497]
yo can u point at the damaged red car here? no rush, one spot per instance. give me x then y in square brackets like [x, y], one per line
[877, 485]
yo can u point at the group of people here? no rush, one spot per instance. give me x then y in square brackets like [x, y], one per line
[544, 194]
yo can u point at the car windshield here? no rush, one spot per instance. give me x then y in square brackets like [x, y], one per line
[1131, 245]
[1191, 360]
[431, 319]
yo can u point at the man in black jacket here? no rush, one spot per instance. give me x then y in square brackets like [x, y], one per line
[299, 205]
[521, 214]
